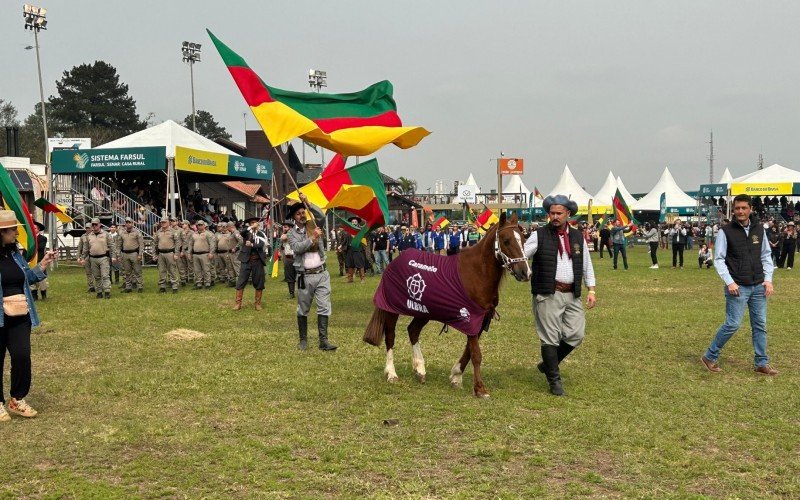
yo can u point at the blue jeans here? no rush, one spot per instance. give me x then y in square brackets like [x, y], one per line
[752, 298]
[619, 248]
[381, 260]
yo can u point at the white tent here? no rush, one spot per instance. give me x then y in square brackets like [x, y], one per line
[168, 134]
[626, 195]
[726, 177]
[472, 182]
[773, 174]
[676, 198]
[605, 196]
[568, 186]
[516, 186]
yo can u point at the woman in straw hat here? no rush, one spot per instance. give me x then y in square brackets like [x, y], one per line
[19, 315]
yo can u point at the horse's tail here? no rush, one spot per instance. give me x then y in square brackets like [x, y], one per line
[376, 328]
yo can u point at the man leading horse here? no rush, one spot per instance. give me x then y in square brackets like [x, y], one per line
[560, 261]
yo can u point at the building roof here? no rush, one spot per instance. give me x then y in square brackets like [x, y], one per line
[568, 186]
[675, 195]
[252, 191]
[168, 134]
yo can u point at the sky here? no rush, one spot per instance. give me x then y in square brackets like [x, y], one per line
[623, 86]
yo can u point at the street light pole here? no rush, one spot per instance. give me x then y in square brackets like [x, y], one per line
[35, 21]
[191, 55]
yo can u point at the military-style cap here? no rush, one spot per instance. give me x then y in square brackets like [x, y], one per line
[184, 221]
[201, 222]
[173, 219]
[128, 219]
[87, 226]
[164, 219]
[95, 221]
[231, 224]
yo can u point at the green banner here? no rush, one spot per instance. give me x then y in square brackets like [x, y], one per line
[109, 160]
[206, 162]
[713, 190]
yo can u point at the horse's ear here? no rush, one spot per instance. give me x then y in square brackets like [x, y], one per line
[502, 218]
[514, 218]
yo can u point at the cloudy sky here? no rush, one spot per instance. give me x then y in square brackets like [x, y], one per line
[627, 86]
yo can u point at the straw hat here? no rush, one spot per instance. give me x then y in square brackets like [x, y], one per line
[8, 219]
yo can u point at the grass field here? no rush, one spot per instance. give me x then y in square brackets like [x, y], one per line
[126, 411]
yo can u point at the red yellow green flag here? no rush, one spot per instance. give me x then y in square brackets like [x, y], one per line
[13, 202]
[486, 220]
[621, 210]
[353, 124]
[59, 210]
[441, 222]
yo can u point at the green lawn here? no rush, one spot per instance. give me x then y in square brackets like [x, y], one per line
[126, 411]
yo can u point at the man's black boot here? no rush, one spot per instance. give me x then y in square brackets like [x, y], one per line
[302, 327]
[35, 294]
[563, 351]
[550, 360]
[322, 326]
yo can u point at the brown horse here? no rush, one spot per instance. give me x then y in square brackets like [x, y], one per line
[480, 268]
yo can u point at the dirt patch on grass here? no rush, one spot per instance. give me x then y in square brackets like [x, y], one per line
[184, 334]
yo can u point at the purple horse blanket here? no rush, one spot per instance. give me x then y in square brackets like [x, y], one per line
[426, 285]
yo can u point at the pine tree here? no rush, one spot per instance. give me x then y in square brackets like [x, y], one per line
[207, 126]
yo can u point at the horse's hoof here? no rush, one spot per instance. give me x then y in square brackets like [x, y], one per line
[482, 395]
[420, 377]
[392, 380]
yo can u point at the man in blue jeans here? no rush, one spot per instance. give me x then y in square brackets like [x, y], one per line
[744, 262]
[619, 241]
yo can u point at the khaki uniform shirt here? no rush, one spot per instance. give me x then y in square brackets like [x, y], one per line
[202, 243]
[166, 240]
[129, 241]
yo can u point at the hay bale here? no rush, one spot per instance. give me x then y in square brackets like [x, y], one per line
[184, 334]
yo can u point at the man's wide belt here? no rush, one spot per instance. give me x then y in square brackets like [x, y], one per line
[315, 270]
[130, 251]
[166, 251]
[199, 253]
[98, 256]
[563, 287]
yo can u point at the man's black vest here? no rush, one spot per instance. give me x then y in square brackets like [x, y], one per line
[545, 261]
[743, 257]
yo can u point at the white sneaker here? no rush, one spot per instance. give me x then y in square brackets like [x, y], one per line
[4, 416]
[788, 268]
[654, 266]
[21, 408]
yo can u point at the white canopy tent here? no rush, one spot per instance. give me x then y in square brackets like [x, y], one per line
[626, 195]
[605, 196]
[515, 186]
[472, 182]
[675, 198]
[726, 177]
[568, 186]
[774, 174]
[169, 135]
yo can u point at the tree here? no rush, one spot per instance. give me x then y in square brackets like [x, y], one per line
[207, 126]
[90, 96]
[407, 185]
[31, 135]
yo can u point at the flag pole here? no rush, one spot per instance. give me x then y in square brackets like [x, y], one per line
[286, 169]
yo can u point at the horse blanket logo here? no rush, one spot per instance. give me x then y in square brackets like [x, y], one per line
[427, 285]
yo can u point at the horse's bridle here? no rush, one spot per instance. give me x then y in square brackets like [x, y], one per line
[502, 257]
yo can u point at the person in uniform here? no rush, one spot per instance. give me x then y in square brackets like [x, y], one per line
[231, 258]
[289, 274]
[313, 280]
[202, 246]
[99, 251]
[560, 261]
[253, 258]
[219, 271]
[185, 267]
[87, 268]
[227, 244]
[114, 241]
[130, 249]
[167, 245]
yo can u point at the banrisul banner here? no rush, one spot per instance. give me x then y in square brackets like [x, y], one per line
[109, 160]
[205, 162]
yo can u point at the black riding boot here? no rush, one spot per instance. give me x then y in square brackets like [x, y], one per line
[291, 289]
[35, 294]
[563, 351]
[322, 326]
[44, 294]
[550, 360]
[302, 326]
[116, 276]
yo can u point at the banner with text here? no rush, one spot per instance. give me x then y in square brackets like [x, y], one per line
[77, 161]
[510, 166]
[762, 189]
[205, 162]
